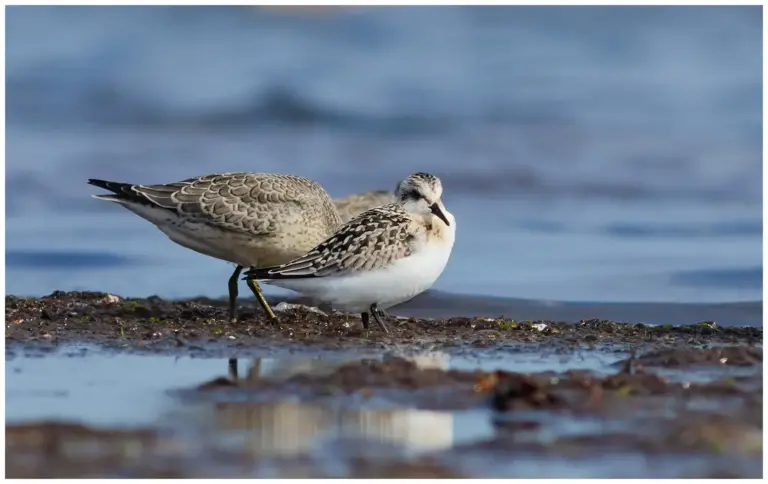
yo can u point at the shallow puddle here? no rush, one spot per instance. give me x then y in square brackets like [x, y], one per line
[91, 385]
[254, 419]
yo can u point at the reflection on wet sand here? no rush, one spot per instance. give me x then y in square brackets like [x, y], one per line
[287, 427]
[287, 367]
[294, 428]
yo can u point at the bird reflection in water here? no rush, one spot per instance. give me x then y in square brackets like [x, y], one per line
[291, 427]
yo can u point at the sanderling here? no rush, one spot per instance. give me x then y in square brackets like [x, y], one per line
[249, 219]
[353, 205]
[383, 257]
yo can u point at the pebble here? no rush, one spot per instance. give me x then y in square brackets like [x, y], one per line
[110, 299]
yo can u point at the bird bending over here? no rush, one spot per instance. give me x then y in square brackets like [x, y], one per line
[381, 258]
[249, 219]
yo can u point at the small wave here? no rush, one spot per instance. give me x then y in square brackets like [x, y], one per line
[33, 103]
[749, 278]
[724, 229]
[64, 260]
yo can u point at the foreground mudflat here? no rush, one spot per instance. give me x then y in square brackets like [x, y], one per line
[319, 396]
[100, 317]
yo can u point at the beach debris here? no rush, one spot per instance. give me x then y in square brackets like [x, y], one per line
[681, 357]
[517, 391]
[285, 306]
[109, 299]
[486, 382]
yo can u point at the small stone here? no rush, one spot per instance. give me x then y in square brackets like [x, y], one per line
[109, 299]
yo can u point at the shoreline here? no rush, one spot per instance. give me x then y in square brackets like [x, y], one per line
[101, 317]
[321, 397]
[445, 305]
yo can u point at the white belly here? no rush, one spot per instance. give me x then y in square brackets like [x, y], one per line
[401, 281]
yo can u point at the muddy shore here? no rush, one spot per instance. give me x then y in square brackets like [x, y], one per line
[100, 317]
[555, 399]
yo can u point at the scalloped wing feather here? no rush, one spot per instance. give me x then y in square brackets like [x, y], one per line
[372, 240]
[240, 202]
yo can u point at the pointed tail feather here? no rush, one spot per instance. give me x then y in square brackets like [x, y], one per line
[265, 274]
[123, 192]
[115, 187]
[110, 198]
[259, 273]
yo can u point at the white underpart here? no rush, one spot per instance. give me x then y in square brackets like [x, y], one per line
[402, 280]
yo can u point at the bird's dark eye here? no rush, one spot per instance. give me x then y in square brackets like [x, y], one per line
[411, 195]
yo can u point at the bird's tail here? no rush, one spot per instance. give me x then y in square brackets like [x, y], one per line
[121, 191]
[115, 187]
[261, 274]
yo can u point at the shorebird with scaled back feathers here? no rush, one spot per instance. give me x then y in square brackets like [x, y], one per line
[381, 258]
[249, 219]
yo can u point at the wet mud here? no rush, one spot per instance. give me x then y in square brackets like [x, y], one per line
[650, 401]
[100, 317]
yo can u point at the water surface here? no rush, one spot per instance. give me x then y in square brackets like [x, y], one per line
[588, 154]
[88, 385]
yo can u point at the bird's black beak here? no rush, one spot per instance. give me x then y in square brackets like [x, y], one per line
[438, 211]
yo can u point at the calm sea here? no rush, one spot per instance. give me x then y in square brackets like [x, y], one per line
[604, 154]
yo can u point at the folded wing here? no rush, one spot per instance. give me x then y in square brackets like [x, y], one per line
[372, 240]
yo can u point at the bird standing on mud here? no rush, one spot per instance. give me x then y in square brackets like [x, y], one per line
[249, 219]
[381, 258]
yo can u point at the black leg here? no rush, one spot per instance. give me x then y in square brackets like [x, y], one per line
[365, 320]
[378, 316]
[233, 369]
[233, 293]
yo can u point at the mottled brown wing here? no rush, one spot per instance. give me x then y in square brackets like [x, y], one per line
[242, 202]
[372, 240]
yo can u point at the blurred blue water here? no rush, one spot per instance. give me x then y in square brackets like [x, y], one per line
[588, 154]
